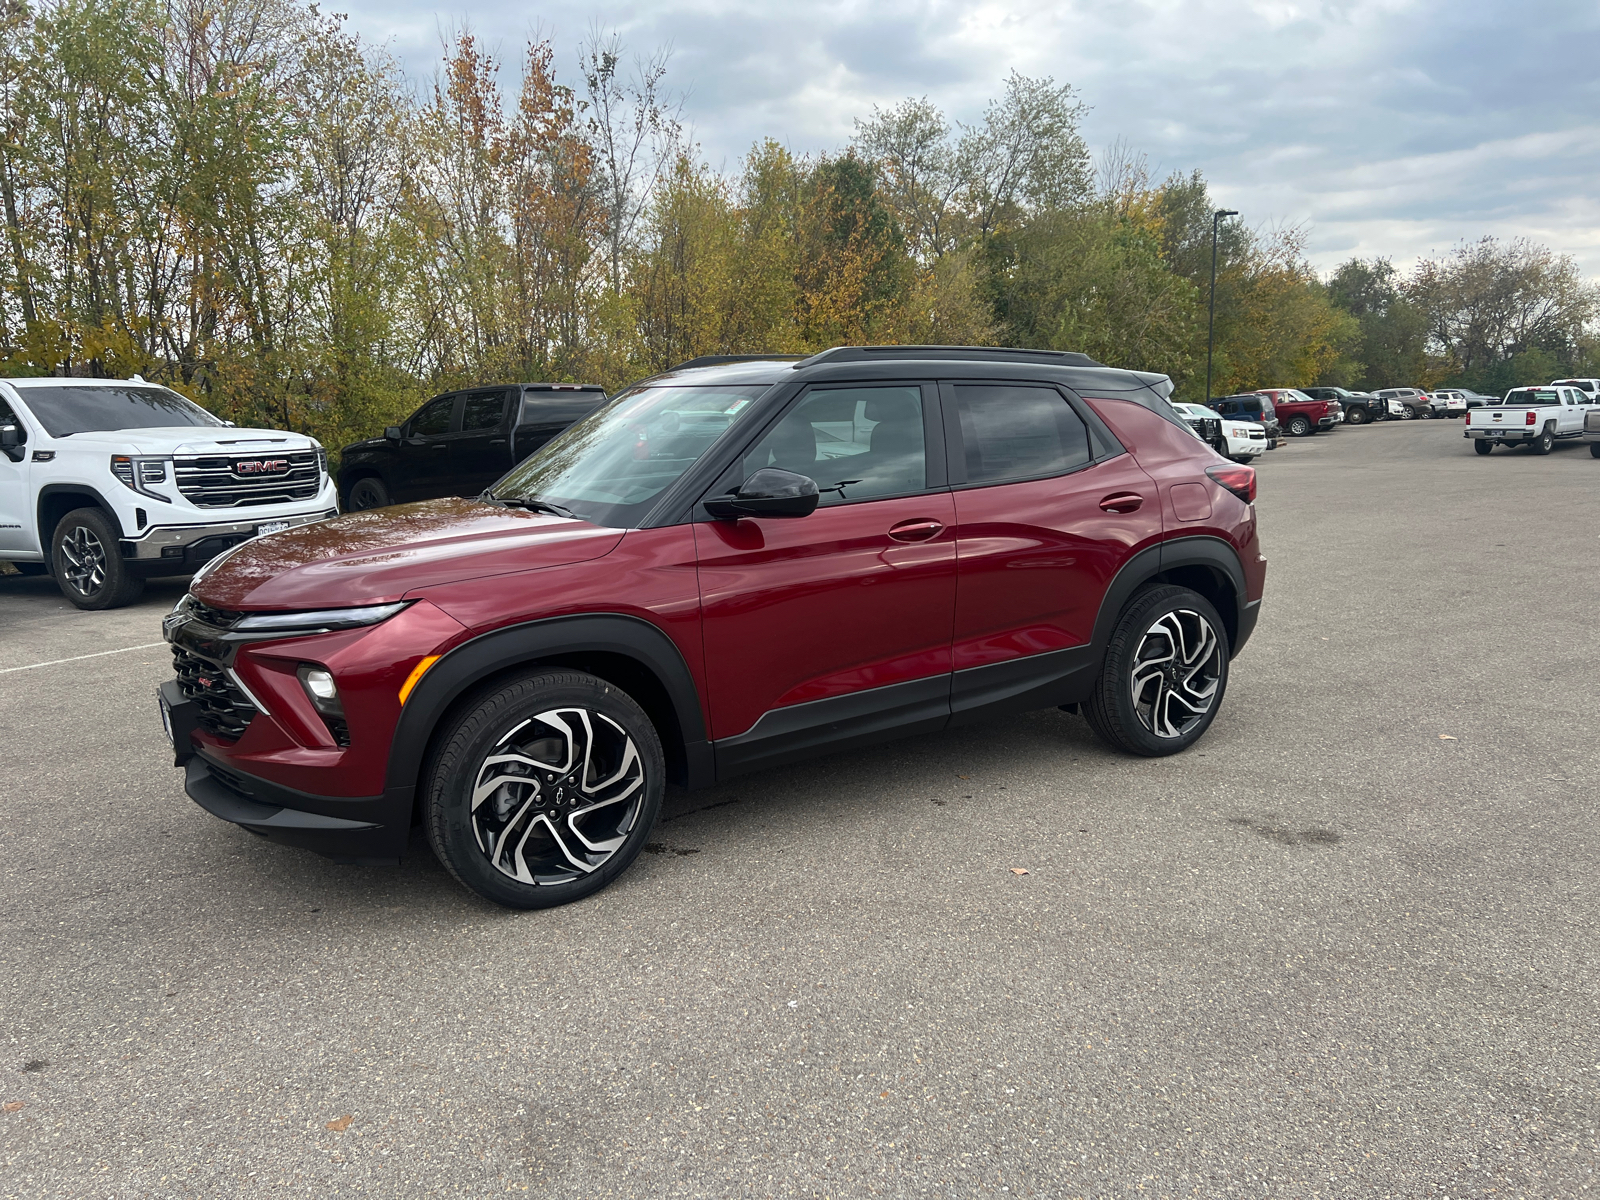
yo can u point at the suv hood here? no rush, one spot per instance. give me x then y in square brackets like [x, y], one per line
[384, 554]
[187, 439]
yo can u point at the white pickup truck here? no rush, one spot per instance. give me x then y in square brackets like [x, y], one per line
[1536, 417]
[105, 483]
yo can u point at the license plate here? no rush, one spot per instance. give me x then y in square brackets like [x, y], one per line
[267, 527]
[166, 718]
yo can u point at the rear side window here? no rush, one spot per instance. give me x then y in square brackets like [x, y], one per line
[1017, 432]
[483, 410]
[433, 418]
[550, 408]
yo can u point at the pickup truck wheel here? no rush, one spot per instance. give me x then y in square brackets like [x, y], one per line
[545, 790]
[368, 492]
[88, 563]
[1165, 670]
[1483, 446]
[1544, 443]
[1355, 416]
[1299, 427]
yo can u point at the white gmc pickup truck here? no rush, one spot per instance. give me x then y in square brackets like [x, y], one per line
[1536, 417]
[104, 483]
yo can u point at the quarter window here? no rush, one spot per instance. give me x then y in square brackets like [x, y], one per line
[857, 443]
[1013, 432]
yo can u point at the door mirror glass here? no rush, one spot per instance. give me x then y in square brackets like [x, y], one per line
[769, 492]
[391, 433]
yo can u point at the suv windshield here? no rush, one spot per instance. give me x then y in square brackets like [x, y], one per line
[99, 408]
[610, 467]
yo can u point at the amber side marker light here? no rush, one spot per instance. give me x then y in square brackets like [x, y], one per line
[417, 672]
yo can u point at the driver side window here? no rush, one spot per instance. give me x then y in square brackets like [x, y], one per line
[858, 443]
[432, 419]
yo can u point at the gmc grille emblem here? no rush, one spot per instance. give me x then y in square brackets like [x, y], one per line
[263, 466]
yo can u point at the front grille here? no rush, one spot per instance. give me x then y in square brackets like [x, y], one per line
[227, 481]
[220, 707]
[217, 618]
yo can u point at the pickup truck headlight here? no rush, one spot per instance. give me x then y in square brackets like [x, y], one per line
[137, 472]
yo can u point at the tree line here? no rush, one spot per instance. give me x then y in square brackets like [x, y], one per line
[243, 199]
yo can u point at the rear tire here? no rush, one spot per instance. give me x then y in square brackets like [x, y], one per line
[88, 563]
[1544, 443]
[1594, 449]
[545, 789]
[1411, 413]
[367, 492]
[1299, 427]
[1164, 674]
[1483, 446]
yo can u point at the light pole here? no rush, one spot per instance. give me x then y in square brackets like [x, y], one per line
[1211, 319]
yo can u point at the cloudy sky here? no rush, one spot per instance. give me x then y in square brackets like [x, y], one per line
[1384, 127]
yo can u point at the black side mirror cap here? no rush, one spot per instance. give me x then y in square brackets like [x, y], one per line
[391, 433]
[769, 492]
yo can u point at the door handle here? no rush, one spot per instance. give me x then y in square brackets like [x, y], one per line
[916, 530]
[441, 446]
[1122, 502]
[497, 441]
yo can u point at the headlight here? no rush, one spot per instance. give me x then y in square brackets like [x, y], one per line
[319, 621]
[137, 472]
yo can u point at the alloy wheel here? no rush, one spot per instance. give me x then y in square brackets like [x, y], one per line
[1175, 673]
[557, 796]
[85, 567]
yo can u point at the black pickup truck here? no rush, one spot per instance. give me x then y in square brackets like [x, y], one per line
[1360, 408]
[459, 443]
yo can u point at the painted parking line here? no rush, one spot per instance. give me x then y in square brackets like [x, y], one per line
[80, 657]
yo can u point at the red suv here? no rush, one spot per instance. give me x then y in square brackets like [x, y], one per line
[731, 565]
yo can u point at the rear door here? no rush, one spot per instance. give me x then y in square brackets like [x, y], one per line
[837, 623]
[481, 451]
[1048, 508]
[422, 459]
[546, 412]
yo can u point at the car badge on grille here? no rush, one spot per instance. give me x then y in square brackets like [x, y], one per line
[263, 466]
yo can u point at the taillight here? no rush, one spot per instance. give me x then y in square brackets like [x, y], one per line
[1239, 480]
[1529, 419]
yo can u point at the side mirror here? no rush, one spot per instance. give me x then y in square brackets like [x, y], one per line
[11, 442]
[391, 433]
[769, 492]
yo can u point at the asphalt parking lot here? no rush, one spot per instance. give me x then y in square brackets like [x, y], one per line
[1345, 947]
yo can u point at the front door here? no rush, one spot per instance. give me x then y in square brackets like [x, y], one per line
[422, 459]
[839, 620]
[481, 452]
[1041, 529]
[16, 521]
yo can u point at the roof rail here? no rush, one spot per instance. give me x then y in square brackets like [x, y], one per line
[719, 360]
[1061, 358]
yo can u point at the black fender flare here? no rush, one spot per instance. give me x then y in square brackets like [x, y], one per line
[493, 653]
[1152, 561]
[78, 489]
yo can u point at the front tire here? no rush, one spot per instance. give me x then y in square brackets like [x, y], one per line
[367, 492]
[545, 790]
[88, 564]
[1355, 416]
[1483, 446]
[1164, 674]
[1299, 427]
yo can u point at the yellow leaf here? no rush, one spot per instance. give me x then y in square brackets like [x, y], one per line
[1019, 870]
[341, 1124]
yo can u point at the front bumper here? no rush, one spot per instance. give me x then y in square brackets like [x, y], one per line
[180, 549]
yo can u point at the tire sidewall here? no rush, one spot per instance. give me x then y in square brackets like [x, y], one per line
[1299, 427]
[1113, 701]
[373, 484]
[476, 727]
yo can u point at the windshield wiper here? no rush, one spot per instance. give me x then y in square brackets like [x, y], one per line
[531, 504]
